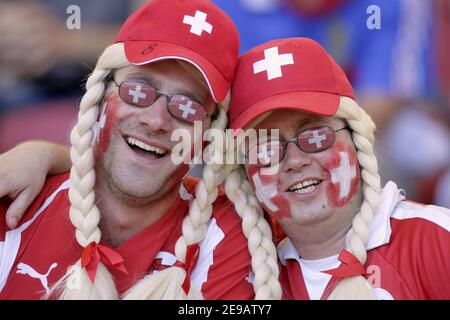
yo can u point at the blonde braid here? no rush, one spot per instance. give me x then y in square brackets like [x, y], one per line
[167, 283]
[363, 137]
[84, 214]
[258, 233]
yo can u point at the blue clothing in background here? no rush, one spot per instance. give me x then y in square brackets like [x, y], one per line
[392, 61]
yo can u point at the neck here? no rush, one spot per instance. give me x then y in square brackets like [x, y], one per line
[121, 219]
[318, 240]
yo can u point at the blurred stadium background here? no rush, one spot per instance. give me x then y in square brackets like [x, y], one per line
[401, 72]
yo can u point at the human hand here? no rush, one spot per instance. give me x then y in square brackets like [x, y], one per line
[23, 171]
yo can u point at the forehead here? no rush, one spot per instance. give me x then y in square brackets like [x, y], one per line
[288, 120]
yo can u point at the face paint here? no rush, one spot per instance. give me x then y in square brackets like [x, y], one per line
[266, 190]
[344, 175]
[110, 119]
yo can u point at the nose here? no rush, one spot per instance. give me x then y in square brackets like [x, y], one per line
[156, 117]
[294, 158]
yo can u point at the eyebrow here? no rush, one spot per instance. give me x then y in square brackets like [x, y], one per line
[148, 79]
[305, 122]
[301, 124]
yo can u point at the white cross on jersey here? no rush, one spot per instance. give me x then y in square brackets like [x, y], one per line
[265, 193]
[317, 139]
[343, 175]
[272, 63]
[137, 94]
[187, 109]
[198, 23]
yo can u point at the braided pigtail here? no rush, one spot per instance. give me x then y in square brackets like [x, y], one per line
[84, 214]
[257, 230]
[363, 128]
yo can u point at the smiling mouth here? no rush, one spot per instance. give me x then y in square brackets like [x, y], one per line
[144, 149]
[305, 187]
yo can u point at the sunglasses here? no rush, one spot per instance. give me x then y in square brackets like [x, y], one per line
[140, 94]
[271, 152]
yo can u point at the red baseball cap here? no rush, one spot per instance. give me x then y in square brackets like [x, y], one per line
[294, 73]
[196, 31]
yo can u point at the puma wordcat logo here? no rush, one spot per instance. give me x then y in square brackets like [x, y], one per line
[23, 268]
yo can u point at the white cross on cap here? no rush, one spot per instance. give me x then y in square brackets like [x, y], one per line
[198, 23]
[137, 94]
[272, 63]
[187, 109]
[317, 139]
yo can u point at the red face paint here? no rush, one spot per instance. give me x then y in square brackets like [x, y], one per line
[112, 118]
[343, 168]
[266, 190]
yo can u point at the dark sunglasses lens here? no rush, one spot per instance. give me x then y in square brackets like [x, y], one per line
[316, 139]
[137, 94]
[183, 108]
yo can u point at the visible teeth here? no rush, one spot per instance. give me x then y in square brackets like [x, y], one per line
[306, 190]
[304, 186]
[145, 146]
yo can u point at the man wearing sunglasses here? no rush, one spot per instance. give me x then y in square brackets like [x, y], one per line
[128, 223]
[342, 236]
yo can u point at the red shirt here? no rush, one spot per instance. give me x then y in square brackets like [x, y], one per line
[37, 253]
[408, 255]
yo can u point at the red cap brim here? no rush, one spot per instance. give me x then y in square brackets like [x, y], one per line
[144, 52]
[320, 103]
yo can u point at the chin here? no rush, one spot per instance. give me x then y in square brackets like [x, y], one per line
[141, 191]
[137, 184]
[311, 212]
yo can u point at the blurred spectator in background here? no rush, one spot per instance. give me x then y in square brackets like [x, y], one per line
[393, 70]
[388, 65]
[442, 190]
[43, 63]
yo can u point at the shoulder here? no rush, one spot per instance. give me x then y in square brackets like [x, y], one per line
[420, 216]
[420, 235]
[419, 247]
[224, 261]
[224, 215]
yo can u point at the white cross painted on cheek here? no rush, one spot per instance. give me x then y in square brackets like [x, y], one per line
[137, 94]
[198, 23]
[265, 193]
[317, 139]
[187, 109]
[265, 155]
[272, 63]
[343, 175]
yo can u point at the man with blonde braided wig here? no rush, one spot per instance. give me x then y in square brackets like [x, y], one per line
[128, 223]
[344, 236]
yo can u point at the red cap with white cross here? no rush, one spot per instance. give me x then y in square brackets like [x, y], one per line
[196, 31]
[295, 73]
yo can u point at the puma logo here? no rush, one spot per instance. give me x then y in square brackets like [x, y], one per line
[23, 268]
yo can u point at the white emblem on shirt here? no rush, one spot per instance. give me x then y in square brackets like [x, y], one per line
[23, 268]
